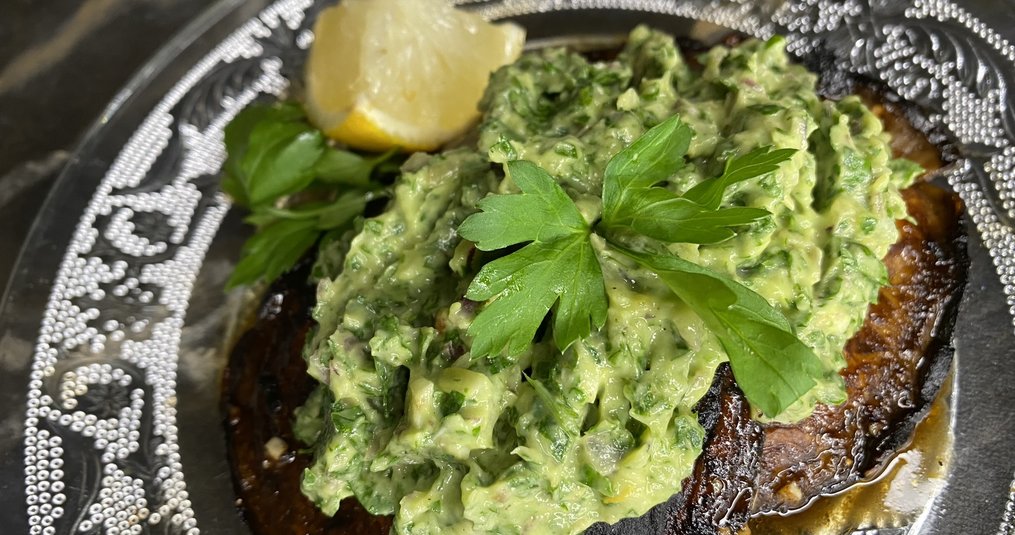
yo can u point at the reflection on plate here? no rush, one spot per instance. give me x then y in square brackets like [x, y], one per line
[121, 426]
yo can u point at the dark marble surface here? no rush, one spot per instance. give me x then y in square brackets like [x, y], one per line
[61, 63]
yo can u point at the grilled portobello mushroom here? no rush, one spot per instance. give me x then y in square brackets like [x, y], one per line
[896, 365]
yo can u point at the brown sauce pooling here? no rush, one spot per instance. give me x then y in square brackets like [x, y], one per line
[896, 498]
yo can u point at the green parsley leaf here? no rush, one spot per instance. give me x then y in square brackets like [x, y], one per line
[343, 210]
[771, 365]
[756, 163]
[329, 215]
[542, 212]
[269, 149]
[650, 159]
[766, 109]
[348, 168]
[563, 415]
[450, 402]
[905, 172]
[280, 160]
[632, 201]
[274, 153]
[274, 249]
[299, 227]
[237, 140]
[660, 214]
[558, 265]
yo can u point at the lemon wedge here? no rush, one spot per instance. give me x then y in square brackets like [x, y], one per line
[402, 73]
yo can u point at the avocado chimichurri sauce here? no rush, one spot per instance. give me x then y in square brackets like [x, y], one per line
[405, 421]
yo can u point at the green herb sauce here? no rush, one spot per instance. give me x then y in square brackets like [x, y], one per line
[409, 424]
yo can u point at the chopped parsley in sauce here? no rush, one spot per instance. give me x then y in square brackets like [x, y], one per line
[409, 424]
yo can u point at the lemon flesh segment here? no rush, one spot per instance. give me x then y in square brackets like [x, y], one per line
[402, 73]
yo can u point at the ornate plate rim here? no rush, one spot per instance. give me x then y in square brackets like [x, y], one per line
[984, 177]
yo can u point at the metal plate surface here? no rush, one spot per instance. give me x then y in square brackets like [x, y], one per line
[114, 327]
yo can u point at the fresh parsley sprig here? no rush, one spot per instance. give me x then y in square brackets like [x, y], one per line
[632, 199]
[559, 265]
[772, 366]
[274, 153]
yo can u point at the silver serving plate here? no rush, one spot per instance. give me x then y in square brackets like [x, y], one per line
[114, 327]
